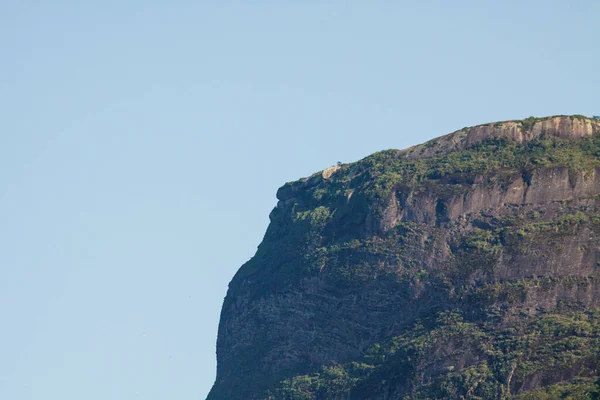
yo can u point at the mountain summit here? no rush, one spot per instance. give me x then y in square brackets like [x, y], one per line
[463, 268]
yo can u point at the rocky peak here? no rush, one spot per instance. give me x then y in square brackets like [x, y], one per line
[565, 127]
[465, 267]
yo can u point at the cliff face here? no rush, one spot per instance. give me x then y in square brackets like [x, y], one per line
[466, 266]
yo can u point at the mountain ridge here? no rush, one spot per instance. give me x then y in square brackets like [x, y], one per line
[521, 131]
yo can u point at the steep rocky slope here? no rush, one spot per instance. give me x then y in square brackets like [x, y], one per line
[466, 267]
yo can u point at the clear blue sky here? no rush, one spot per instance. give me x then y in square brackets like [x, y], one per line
[142, 143]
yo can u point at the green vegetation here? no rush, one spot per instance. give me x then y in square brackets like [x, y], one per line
[385, 170]
[575, 389]
[529, 122]
[497, 361]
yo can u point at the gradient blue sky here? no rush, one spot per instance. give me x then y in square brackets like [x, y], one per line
[142, 143]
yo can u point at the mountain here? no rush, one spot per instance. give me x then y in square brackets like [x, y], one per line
[465, 267]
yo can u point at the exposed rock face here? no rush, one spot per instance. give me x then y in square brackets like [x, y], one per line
[466, 266]
[566, 127]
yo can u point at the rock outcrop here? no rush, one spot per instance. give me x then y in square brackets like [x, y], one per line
[566, 127]
[466, 267]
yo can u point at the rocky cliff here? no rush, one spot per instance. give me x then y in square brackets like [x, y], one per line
[466, 267]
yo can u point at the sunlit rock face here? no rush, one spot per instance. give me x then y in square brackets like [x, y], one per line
[566, 127]
[464, 267]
